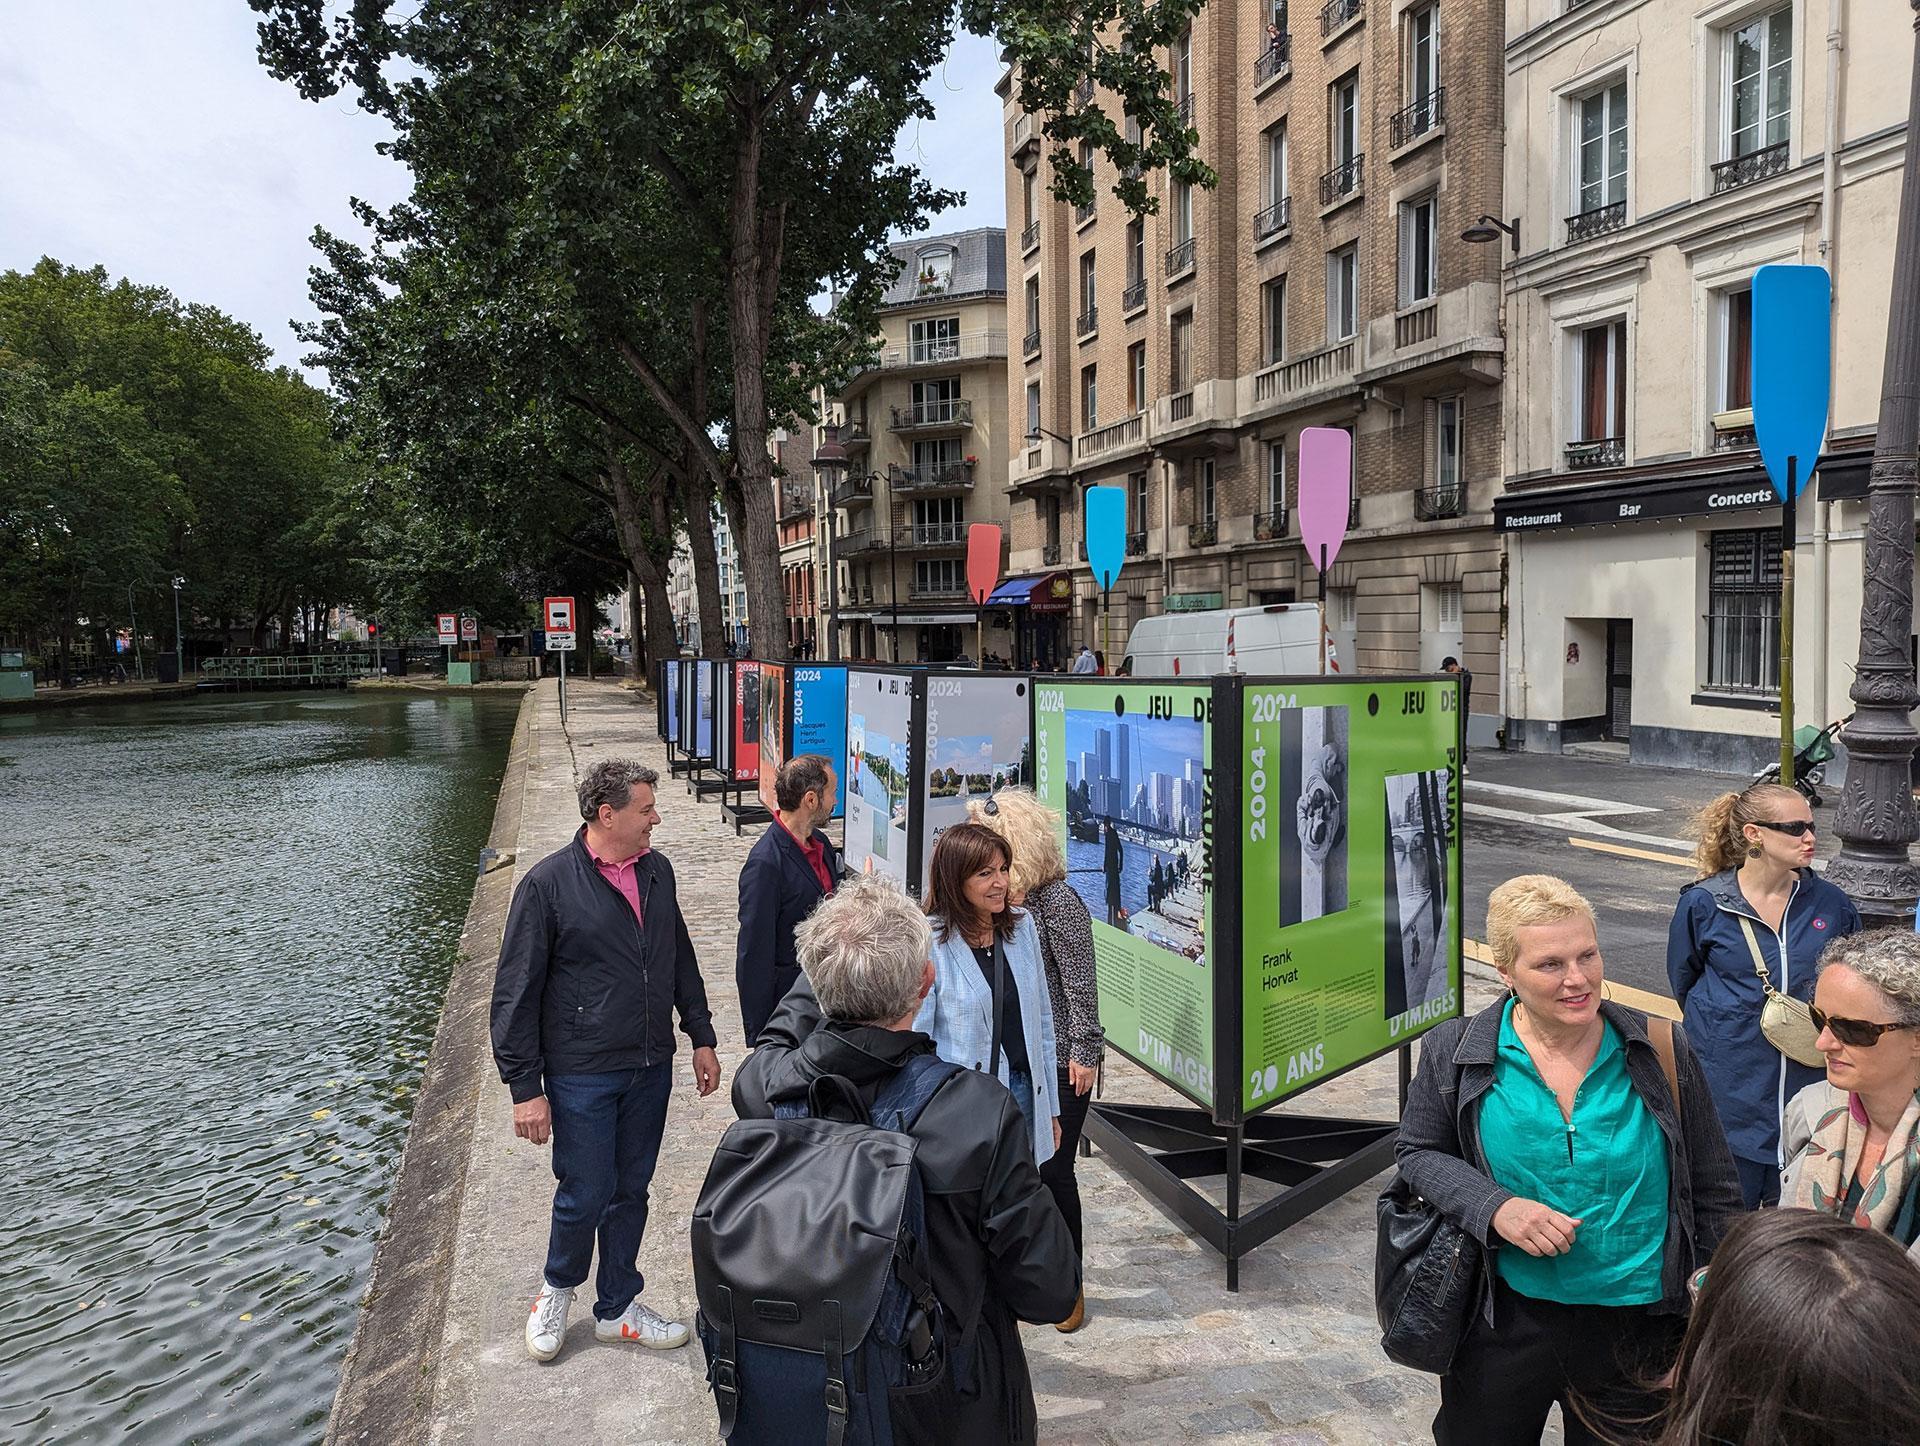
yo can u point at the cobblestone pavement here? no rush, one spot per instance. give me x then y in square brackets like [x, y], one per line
[1168, 1355]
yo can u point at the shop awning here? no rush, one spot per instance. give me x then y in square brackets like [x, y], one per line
[1016, 592]
[1657, 495]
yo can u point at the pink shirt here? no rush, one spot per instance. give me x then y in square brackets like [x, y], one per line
[624, 877]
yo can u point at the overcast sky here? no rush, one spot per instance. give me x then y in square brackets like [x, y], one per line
[146, 137]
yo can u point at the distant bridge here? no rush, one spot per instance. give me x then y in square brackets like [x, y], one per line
[284, 670]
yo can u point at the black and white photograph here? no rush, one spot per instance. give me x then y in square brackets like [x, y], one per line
[1420, 847]
[1313, 813]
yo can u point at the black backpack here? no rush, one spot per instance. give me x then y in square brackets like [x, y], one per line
[817, 1310]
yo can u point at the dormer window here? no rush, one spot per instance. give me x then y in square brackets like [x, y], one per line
[934, 272]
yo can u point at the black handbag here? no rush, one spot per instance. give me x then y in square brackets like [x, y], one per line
[1426, 1281]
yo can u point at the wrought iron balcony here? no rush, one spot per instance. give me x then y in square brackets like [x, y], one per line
[1083, 214]
[1136, 544]
[795, 503]
[855, 434]
[936, 534]
[1030, 236]
[1083, 93]
[1430, 504]
[941, 477]
[1273, 62]
[1413, 121]
[1273, 220]
[1181, 258]
[1135, 296]
[1203, 534]
[1030, 343]
[1596, 452]
[1050, 555]
[853, 492]
[862, 540]
[1753, 166]
[1336, 13]
[1597, 222]
[1343, 180]
[1087, 322]
[1184, 109]
[1734, 439]
[1270, 526]
[943, 414]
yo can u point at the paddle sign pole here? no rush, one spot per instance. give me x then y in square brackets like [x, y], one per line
[1792, 375]
[1106, 514]
[1326, 501]
[983, 576]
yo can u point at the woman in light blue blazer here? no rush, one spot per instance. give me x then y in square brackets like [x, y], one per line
[972, 924]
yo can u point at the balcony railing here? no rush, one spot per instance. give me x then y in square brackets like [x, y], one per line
[1596, 452]
[1273, 220]
[854, 597]
[1430, 504]
[1136, 544]
[937, 534]
[853, 492]
[940, 477]
[1050, 555]
[1270, 526]
[795, 505]
[862, 540]
[1305, 373]
[1030, 236]
[855, 434]
[1180, 407]
[1273, 62]
[940, 414]
[1336, 13]
[1343, 180]
[1083, 214]
[1413, 121]
[1135, 296]
[1597, 222]
[1087, 322]
[1753, 166]
[1203, 534]
[932, 351]
[1127, 432]
[1030, 343]
[936, 591]
[1083, 93]
[1181, 258]
[1733, 429]
[1184, 109]
[1025, 135]
[1410, 328]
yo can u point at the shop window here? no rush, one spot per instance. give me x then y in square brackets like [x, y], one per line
[1743, 611]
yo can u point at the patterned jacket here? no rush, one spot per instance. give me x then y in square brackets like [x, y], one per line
[1066, 948]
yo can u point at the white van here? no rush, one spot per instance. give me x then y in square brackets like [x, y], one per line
[1280, 639]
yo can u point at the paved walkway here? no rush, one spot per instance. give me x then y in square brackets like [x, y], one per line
[1168, 1354]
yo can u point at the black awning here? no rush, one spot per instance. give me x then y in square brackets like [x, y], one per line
[1648, 498]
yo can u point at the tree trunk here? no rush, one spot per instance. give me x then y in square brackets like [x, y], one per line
[706, 561]
[646, 533]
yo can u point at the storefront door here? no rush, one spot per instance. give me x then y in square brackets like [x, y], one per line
[1619, 679]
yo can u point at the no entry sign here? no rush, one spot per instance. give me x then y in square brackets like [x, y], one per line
[559, 614]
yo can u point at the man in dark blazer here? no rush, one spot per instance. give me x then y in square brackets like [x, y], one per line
[792, 868]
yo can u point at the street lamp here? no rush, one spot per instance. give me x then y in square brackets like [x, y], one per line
[179, 647]
[830, 466]
[1876, 822]
[1490, 228]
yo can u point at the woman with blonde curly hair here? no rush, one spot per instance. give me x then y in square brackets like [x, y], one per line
[1039, 884]
[1753, 924]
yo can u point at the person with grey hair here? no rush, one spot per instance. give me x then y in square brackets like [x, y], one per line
[1852, 1141]
[999, 1247]
[594, 962]
[792, 867]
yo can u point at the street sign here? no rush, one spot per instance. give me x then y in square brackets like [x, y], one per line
[983, 560]
[1792, 370]
[560, 640]
[1106, 523]
[560, 616]
[1326, 491]
[469, 628]
[449, 629]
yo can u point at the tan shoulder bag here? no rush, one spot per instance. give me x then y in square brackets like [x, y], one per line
[1784, 1020]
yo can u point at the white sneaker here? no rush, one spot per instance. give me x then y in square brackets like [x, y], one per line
[643, 1327]
[547, 1323]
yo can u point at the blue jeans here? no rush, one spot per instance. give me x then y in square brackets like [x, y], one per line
[606, 1138]
[1021, 1083]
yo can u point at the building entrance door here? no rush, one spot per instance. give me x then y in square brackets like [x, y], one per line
[1619, 679]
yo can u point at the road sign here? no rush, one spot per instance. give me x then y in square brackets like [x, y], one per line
[559, 640]
[983, 561]
[1792, 370]
[560, 616]
[1105, 512]
[449, 628]
[1325, 491]
[469, 628]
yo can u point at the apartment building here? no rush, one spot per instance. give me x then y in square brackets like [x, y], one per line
[796, 505]
[1660, 154]
[926, 429]
[684, 598]
[1323, 282]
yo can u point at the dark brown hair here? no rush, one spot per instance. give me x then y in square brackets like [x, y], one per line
[1806, 1333]
[961, 852]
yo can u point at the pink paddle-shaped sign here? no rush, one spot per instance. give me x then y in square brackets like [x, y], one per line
[1326, 491]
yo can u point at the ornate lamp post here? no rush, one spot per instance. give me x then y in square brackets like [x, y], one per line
[830, 466]
[1877, 822]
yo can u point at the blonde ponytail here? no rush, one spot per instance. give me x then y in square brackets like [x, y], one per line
[1721, 826]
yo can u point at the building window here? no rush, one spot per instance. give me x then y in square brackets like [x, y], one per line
[1204, 493]
[1183, 74]
[1446, 447]
[1602, 149]
[1136, 252]
[1086, 284]
[1759, 83]
[1033, 304]
[1276, 164]
[1137, 502]
[1736, 379]
[1033, 411]
[1053, 523]
[1028, 186]
[935, 274]
[1344, 134]
[939, 577]
[1137, 377]
[1182, 212]
[1343, 295]
[1180, 352]
[1423, 54]
[1743, 611]
[1277, 476]
[1603, 383]
[1089, 398]
[937, 339]
[1273, 320]
[1419, 250]
[1340, 609]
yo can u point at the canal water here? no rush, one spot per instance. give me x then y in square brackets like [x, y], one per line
[226, 926]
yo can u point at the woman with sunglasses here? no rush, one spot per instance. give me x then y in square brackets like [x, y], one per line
[1852, 1141]
[1756, 919]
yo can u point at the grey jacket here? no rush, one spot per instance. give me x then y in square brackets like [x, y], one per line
[1440, 1155]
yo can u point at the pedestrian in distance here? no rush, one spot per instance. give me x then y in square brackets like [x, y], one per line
[1453, 665]
[595, 961]
[1099, 662]
[1039, 885]
[1852, 1141]
[792, 867]
[1750, 927]
[989, 1008]
[999, 1251]
[1805, 1334]
[1578, 1144]
[1084, 661]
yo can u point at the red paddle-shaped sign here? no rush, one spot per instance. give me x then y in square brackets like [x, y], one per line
[1326, 491]
[983, 560]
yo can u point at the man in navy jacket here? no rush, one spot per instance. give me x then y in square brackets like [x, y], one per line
[594, 963]
[792, 868]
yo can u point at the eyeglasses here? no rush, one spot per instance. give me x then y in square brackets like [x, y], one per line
[1793, 827]
[1860, 1033]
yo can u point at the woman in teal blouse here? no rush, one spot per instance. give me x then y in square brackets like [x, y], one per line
[1545, 1127]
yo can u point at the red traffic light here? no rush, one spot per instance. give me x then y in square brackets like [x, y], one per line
[373, 630]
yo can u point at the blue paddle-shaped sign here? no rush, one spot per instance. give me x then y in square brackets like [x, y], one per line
[1106, 533]
[1792, 370]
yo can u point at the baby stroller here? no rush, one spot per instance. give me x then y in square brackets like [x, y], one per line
[1812, 750]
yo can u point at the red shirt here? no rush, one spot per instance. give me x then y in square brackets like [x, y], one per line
[624, 877]
[816, 853]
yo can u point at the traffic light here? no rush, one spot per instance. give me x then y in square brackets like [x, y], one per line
[373, 629]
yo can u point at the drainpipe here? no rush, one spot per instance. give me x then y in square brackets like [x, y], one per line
[1823, 509]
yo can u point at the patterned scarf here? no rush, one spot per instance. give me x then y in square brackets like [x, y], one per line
[1833, 1155]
